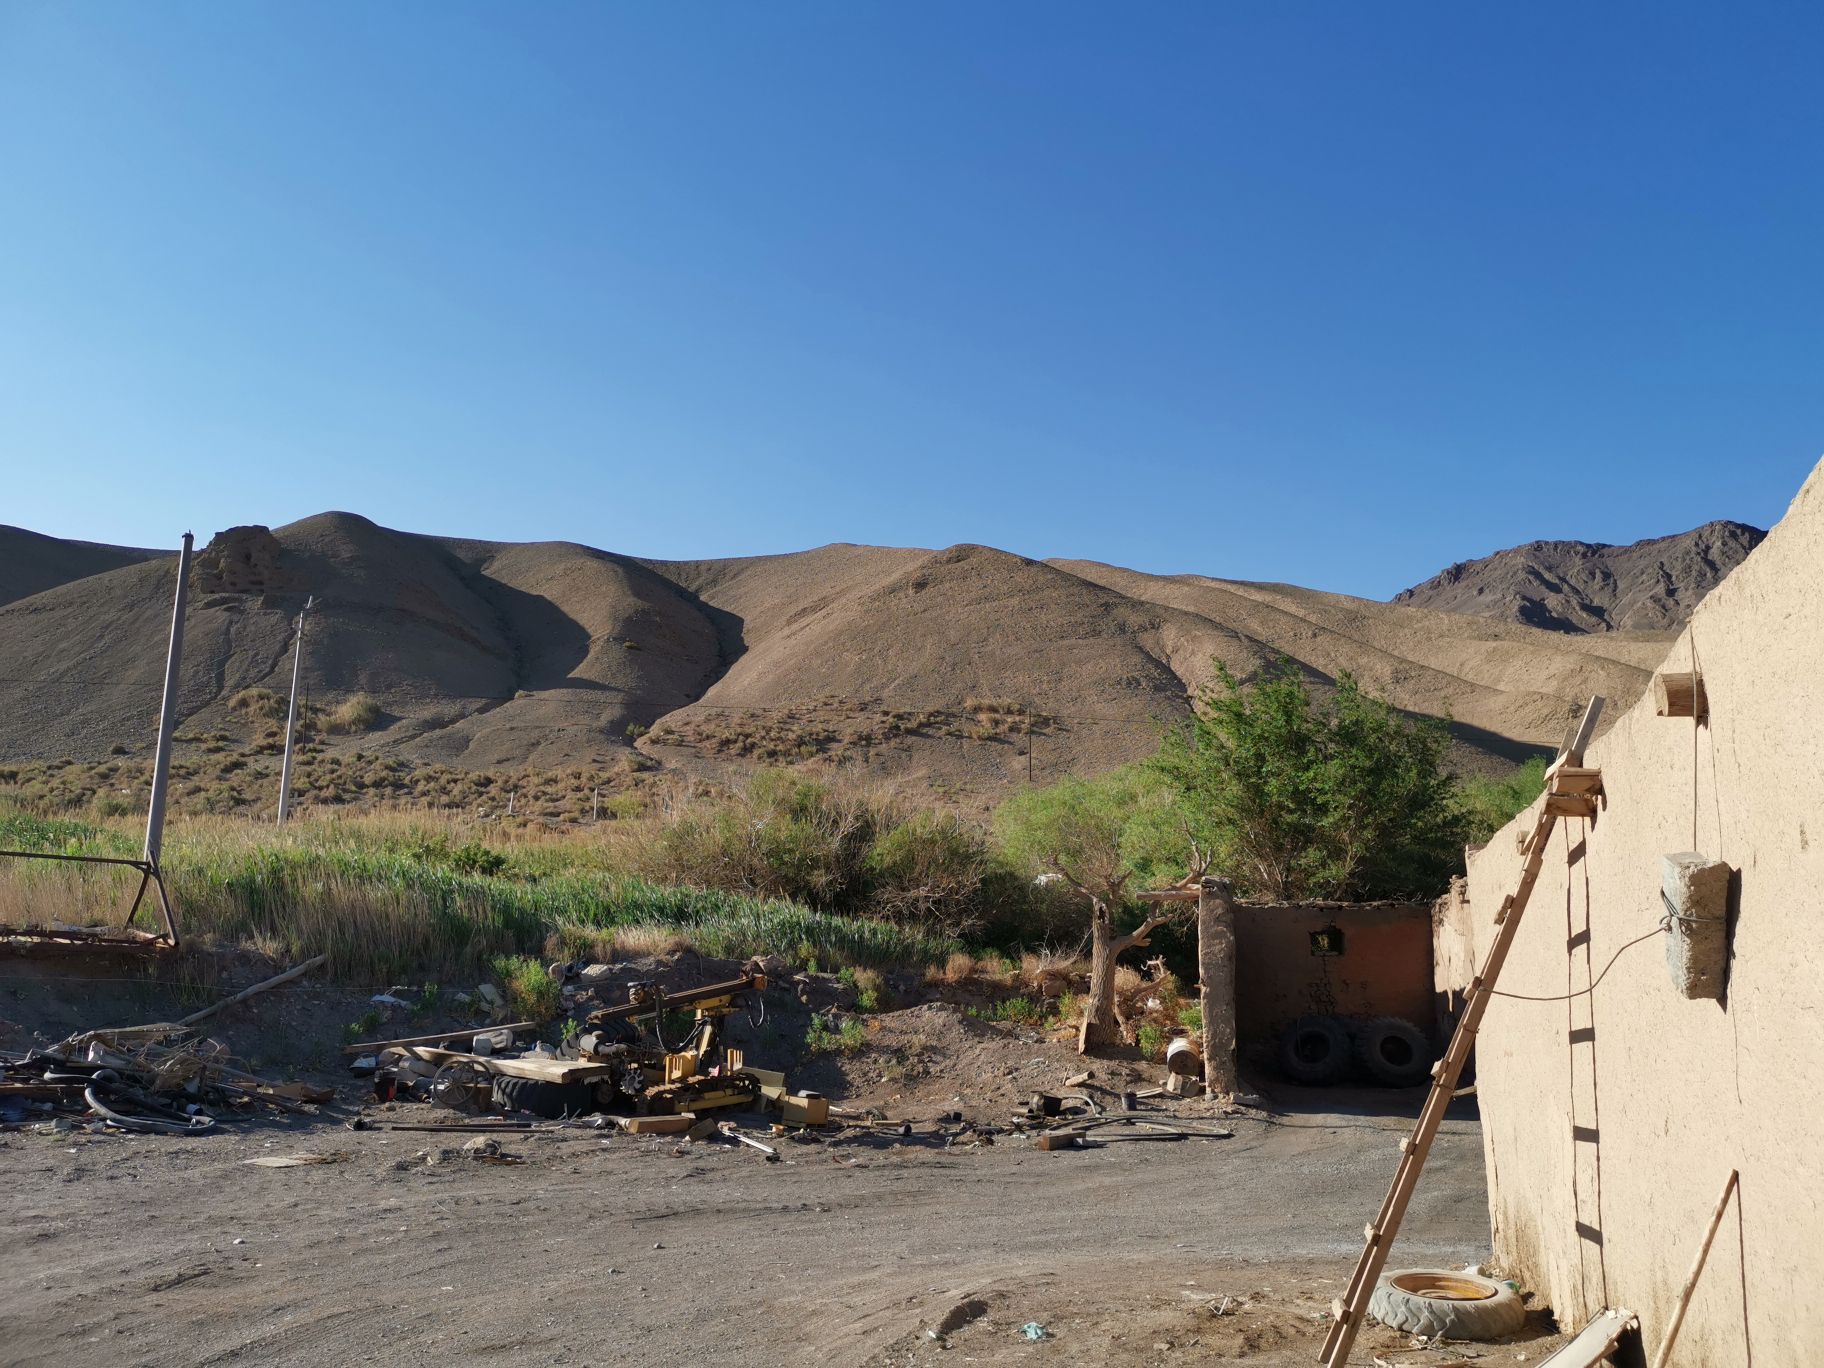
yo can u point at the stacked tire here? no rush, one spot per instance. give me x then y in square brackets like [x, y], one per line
[1318, 1051]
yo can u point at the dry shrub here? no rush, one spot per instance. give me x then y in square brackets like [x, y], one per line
[1052, 973]
[354, 714]
[572, 942]
[640, 942]
[927, 868]
[261, 703]
[1130, 987]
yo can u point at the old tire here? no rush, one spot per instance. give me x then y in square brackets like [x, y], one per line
[1393, 1052]
[549, 1100]
[1314, 1050]
[1458, 1306]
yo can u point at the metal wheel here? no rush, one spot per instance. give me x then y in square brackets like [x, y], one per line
[463, 1085]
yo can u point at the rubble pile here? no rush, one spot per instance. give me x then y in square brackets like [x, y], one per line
[154, 1080]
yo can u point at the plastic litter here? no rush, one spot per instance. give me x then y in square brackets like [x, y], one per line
[1034, 1331]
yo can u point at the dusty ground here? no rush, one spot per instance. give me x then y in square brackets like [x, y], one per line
[618, 1250]
[609, 1249]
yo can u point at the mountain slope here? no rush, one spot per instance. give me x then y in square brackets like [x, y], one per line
[31, 562]
[1571, 586]
[965, 671]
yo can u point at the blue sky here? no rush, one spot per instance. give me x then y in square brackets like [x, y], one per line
[1327, 293]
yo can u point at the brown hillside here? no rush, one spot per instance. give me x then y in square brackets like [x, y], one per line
[31, 562]
[899, 663]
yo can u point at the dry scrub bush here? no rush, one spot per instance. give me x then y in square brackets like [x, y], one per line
[354, 714]
[1053, 974]
[959, 968]
[259, 703]
[640, 942]
[842, 848]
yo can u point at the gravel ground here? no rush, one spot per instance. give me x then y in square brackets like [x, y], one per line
[619, 1251]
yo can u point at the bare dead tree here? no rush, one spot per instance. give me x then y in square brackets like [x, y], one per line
[1100, 1023]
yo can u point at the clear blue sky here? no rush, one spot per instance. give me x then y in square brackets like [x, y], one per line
[1328, 293]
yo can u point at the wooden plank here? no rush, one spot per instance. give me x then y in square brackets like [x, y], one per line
[296, 971]
[1576, 779]
[547, 1070]
[1570, 805]
[1680, 695]
[436, 1039]
[676, 1124]
[1595, 1342]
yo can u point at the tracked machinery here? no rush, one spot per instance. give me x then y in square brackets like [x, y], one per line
[659, 1054]
[653, 1072]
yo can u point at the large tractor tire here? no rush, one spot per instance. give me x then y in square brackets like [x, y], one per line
[1458, 1306]
[1314, 1051]
[549, 1100]
[1393, 1052]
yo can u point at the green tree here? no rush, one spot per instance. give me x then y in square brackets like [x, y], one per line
[1299, 797]
[1490, 803]
[1077, 830]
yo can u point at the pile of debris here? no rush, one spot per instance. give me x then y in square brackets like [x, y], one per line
[1077, 1120]
[638, 1060]
[153, 1080]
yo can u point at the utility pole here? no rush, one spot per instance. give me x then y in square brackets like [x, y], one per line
[167, 713]
[291, 716]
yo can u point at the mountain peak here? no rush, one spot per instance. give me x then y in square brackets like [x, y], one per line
[1576, 586]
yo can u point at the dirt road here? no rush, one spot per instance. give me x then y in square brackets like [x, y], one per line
[620, 1251]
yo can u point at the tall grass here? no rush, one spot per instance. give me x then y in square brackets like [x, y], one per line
[389, 896]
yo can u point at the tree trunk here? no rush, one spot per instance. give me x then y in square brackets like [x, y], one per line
[1105, 947]
[1098, 1030]
[1216, 969]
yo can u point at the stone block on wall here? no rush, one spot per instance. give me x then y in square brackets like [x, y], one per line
[1695, 891]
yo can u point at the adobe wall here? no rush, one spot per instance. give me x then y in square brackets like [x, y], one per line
[1453, 964]
[1668, 1094]
[1384, 970]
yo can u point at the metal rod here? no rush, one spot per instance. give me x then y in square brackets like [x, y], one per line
[291, 717]
[167, 716]
[143, 865]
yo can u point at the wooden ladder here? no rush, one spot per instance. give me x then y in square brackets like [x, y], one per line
[1570, 791]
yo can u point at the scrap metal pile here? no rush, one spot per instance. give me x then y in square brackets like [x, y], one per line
[1076, 1120]
[656, 1079]
[156, 1080]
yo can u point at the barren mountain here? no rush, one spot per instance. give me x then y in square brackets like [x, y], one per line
[964, 670]
[1572, 586]
[31, 562]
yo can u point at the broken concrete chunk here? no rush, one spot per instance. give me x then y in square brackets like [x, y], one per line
[493, 1042]
[1694, 892]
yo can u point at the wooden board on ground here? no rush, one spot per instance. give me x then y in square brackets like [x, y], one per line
[1595, 1342]
[675, 1124]
[545, 1070]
